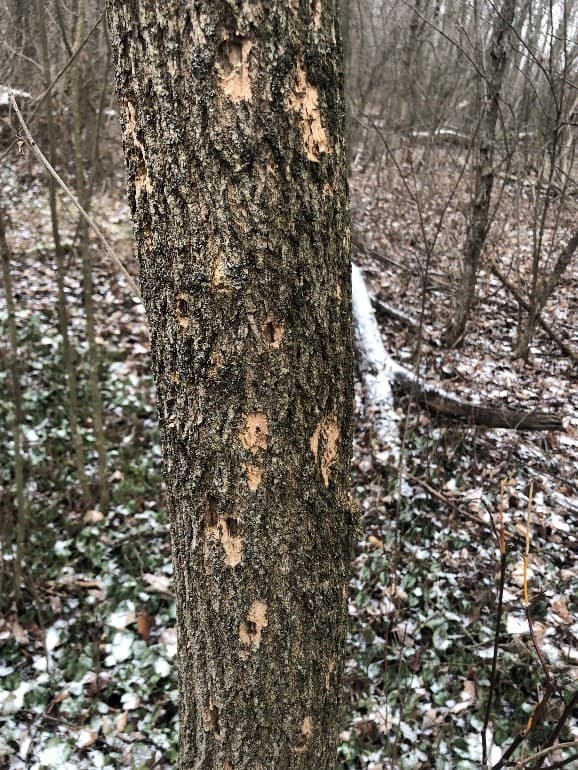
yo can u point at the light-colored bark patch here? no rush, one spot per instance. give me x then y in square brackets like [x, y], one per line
[233, 68]
[131, 127]
[330, 670]
[323, 444]
[272, 332]
[317, 12]
[219, 277]
[306, 733]
[254, 434]
[226, 532]
[142, 181]
[175, 378]
[304, 99]
[211, 720]
[254, 476]
[182, 310]
[251, 629]
[216, 361]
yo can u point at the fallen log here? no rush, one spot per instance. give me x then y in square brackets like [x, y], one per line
[435, 279]
[358, 245]
[382, 376]
[377, 371]
[449, 136]
[405, 319]
[446, 405]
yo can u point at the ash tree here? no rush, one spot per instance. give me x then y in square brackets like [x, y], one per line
[233, 124]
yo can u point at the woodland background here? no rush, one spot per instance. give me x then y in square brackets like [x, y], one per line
[463, 602]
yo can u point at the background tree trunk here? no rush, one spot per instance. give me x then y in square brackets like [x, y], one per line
[495, 68]
[234, 139]
[20, 521]
[68, 350]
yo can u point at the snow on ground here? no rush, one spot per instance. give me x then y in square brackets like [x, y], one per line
[87, 669]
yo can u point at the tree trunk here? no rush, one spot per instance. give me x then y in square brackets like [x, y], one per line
[480, 216]
[234, 139]
[550, 331]
[21, 499]
[68, 352]
[378, 374]
[84, 193]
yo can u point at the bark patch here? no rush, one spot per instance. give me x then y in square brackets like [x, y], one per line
[251, 629]
[254, 476]
[330, 670]
[323, 444]
[254, 434]
[317, 13]
[304, 99]
[182, 310]
[306, 733]
[233, 68]
[216, 361]
[273, 333]
[219, 277]
[142, 182]
[211, 720]
[226, 531]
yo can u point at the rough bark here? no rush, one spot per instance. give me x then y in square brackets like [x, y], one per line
[233, 127]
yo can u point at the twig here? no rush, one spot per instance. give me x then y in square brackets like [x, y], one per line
[56, 79]
[551, 332]
[549, 750]
[443, 499]
[38, 152]
[568, 709]
[503, 557]
[561, 763]
[532, 722]
[551, 687]
[22, 508]
[526, 592]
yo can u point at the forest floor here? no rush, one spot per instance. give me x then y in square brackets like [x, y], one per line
[87, 667]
